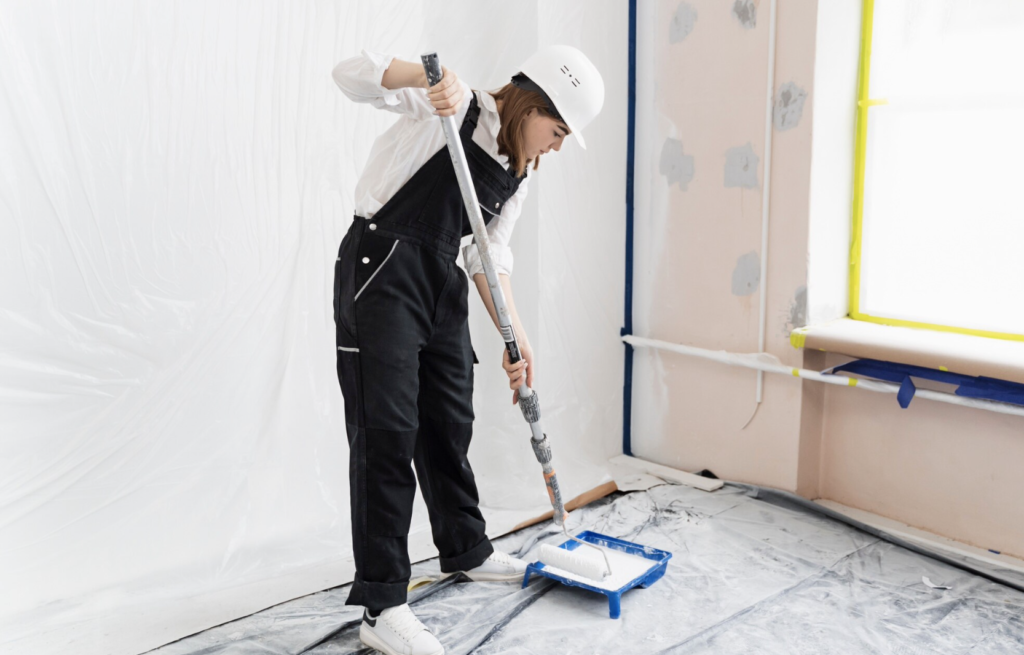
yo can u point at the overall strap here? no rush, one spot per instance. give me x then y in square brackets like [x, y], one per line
[469, 123]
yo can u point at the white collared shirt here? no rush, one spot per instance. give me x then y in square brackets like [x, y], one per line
[416, 136]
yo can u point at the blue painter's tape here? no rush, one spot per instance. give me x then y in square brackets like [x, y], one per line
[906, 393]
[627, 381]
[992, 389]
[968, 386]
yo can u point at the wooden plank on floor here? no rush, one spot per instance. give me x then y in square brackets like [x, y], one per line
[584, 498]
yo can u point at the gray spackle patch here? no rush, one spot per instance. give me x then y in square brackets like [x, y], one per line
[675, 165]
[741, 167]
[798, 310]
[682, 23]
[746, 13]
[747, 274]
[789, 106]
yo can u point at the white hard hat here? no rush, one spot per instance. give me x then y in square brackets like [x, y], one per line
[572, 84]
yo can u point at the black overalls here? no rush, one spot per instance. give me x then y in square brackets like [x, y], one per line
[405, 363]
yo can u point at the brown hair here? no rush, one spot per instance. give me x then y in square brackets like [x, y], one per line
[515, 104]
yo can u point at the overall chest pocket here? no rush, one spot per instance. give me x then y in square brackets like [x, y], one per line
[444, 213]
[493, 184]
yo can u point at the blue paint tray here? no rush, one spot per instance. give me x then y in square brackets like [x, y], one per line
[659, 562]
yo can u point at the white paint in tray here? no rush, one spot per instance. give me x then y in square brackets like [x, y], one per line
[625, 568]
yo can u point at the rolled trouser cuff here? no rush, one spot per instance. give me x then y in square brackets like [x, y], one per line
[470, 559]
[378, 596]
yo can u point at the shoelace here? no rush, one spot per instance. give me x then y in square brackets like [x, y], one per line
[501, 558]
[404, 623]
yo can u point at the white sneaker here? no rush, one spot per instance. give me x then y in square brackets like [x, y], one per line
[499, 567]
[397, 631]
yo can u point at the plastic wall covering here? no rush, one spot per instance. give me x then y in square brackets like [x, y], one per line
[175, 178]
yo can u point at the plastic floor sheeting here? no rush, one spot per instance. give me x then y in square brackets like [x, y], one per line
[747, 576]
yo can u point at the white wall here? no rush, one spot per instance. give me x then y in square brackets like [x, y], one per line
[176, 178]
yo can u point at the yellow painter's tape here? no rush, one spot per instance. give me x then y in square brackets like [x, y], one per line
[798, 337]
[852, 382]
[796, 372]
[1006, 336]
[860, 152]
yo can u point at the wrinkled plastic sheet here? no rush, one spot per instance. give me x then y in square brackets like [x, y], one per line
[747, 576]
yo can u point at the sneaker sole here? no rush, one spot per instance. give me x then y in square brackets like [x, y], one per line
[371, 640]
[489, 577]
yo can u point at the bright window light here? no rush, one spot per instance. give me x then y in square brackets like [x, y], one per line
[942, 227]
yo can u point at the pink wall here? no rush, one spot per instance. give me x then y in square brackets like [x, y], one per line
[710, 95]
[949, 470]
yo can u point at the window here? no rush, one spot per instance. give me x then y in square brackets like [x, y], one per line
[939, 185]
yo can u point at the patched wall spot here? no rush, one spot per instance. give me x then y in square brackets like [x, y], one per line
[789, 106]
[675, 165]
[798, 310]
[745, 12]
[747, 275]
[682, 23]
[741, 167]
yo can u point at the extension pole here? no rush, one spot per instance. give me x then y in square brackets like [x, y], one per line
[528, 401]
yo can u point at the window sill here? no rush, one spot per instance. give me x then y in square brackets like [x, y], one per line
[956, 353]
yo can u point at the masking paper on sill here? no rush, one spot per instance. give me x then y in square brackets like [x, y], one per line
[957, 353]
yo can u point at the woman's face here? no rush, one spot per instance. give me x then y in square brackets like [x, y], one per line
[543, 134]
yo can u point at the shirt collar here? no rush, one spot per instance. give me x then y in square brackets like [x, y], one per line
[487, 102]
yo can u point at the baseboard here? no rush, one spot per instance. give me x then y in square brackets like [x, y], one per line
[926, 539]
[667, 473]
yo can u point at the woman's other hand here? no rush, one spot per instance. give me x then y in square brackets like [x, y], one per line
[447, 94]
[523, 369]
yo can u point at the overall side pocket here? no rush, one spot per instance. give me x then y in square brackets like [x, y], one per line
[344, 290]
[349, 378]
[374, 253]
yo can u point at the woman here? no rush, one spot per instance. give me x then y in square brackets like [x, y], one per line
[405, 361]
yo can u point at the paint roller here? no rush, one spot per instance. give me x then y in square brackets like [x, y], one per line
[575, 561]
[528, 401]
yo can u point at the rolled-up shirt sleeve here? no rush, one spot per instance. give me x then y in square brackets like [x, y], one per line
[499, 232]
[359, 78]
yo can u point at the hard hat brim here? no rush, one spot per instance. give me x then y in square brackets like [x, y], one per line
[579, 137]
